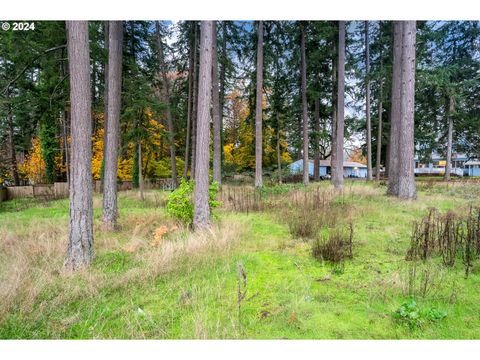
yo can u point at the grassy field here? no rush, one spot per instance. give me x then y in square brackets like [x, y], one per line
[154, 278]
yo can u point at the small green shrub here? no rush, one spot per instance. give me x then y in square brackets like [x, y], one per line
[410, 314]
[180, 201]
[336, 246]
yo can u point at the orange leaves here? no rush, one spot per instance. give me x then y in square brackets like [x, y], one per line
[159, 233]
[97, 153]
[34, 166]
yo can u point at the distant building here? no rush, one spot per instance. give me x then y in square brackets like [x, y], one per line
[351, 169]
[437, 164]
[472, 168]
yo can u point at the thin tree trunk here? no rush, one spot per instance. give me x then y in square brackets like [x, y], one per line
[367, 105]
[166, 100]
[406, 146]
[338, 178]
[217, 145]
[195, 103]
[105, 102]
[379, 134]
[258, 110]
[11, 142]
[333, 150]
[395, 116]
[189, 109]
[140, 176]
[65, 144]
[80, 240]
[279, 153]
[201, 217]
[223, 71]
[110, 211]
[316, 155]
[306, 164]
[448, 167]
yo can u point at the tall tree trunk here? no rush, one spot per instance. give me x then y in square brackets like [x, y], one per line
[279, 153]
[217, 142]
[448, 167]
[195, 103]
[379, 134]
[316, 155]
[395, 116]
[110, 211]
[166, 100]
[333, 150]
[306, 164]
[189, 107]
[367, 105]
[105, 105]
[12, 153]
[80, 240]
[140, 176]
[223, 70]
[65, 143]
[338, 176]
[406, 145]
[201, 217]
[258, 110]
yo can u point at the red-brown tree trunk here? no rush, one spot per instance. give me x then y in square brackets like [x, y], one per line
[110, 211]
[80, 239]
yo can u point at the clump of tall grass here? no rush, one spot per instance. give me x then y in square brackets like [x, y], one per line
[448, 235]
[33, 280]
[335, 246]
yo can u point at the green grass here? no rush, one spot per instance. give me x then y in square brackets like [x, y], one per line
[289, 294]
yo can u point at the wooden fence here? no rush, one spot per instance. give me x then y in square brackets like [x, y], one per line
[3, 195]
[59, 190]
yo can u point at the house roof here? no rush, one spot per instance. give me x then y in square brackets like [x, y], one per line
[327, 163]
[473, 162]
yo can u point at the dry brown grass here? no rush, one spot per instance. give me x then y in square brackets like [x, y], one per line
[32, 277]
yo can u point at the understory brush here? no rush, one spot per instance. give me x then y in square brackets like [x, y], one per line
[449, 235]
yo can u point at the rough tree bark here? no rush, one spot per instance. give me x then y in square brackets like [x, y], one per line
[367, 105]
[306, 165]
[166, 100]
[110, 211]
[217, 128]
[189, 108]
[379, 134]
[105, 103]
[195, 102]
[333, 150]
[258, 110]
[338, 176]
[448, 167]
[395, 109]
[80, 240]
[406, 145]
[201, 218]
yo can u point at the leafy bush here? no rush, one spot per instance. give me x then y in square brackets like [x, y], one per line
[180, 201]
[410, 314]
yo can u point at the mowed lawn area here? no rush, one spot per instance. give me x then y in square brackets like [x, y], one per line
[249, 277]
